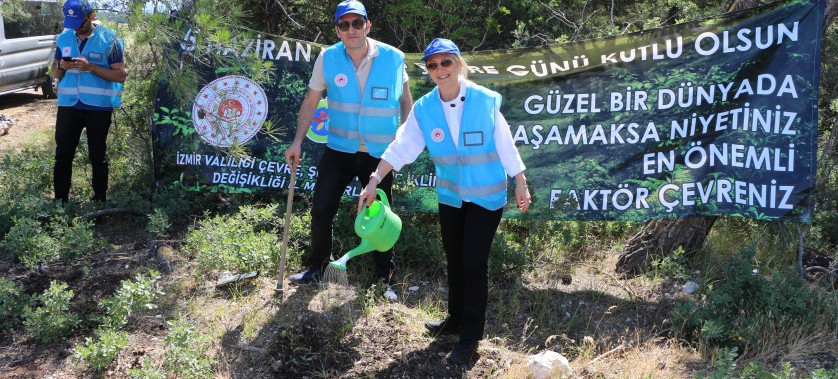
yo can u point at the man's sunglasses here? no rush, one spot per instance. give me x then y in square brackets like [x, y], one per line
[357, 24]
[445, 63]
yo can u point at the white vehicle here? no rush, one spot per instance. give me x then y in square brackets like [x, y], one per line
[27, 44]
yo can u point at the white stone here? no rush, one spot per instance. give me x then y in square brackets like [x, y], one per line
[413, 288]
[690, 287]
[548, 364]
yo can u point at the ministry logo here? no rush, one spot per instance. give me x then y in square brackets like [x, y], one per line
[229, 110]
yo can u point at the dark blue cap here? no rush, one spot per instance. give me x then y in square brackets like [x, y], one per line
[350, 6]
[75, 11]
[440, 45]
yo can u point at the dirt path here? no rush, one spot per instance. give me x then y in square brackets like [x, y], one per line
[34, 120]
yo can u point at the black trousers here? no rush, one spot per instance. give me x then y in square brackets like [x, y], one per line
[335, 171]
[467, 235]
[68, 126]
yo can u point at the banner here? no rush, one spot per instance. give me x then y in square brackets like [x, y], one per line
[712, 117]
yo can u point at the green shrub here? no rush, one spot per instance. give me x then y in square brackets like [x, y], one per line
[724, 367]
[186, 352]
[147, 370]
[75, 239]
[53, 318]
[246, 241]
[132, 296]
[13, 300]
[35, 244]
[158, 224]
[723, 364]
[99, 353]
[28, 241]
[674, 265]
[738, 309]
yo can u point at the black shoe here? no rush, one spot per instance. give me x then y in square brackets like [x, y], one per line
[444, 326]
[463, 352]
[306, 277]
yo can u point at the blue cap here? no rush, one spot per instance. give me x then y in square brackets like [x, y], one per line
[350, 6]
[440, 45]
[75, 11]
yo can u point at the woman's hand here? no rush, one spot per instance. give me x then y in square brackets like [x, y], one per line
[522, 193]
[367, 196]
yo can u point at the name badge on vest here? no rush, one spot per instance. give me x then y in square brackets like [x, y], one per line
[95, 56]
[380, 93]
[473, 138]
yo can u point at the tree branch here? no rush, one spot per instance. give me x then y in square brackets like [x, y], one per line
[297, 24]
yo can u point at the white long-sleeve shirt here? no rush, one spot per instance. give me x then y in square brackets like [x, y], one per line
[410, 142]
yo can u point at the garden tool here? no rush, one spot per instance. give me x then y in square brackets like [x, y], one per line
[288, 205]
[378, 227]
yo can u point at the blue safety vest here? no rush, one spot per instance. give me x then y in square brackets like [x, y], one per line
[373, 116]
[471, 170]
[87, 86]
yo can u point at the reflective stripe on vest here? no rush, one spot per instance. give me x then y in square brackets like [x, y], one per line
[372, 117]
[472, 172]
[87, 87]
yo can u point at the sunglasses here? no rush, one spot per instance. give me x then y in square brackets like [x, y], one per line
[357, 24]
[445, 63]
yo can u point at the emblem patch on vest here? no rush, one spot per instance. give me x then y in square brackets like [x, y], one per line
[437, 134]
[380, 93]
[229, 110]
[66, 51]
[472, 138]
[341, 80]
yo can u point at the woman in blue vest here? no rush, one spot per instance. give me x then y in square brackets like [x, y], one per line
[472, 160]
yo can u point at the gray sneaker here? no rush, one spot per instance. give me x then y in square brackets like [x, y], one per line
[306, 277]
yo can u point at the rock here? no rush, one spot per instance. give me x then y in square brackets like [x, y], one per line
[413, 288]
[165, 257]
[690, 287]
[227, 278]
[548, 364]
[5, 124]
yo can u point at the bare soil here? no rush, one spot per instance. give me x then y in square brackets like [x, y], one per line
[34, 119]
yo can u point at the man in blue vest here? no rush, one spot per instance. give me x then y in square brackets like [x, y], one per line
[368, 94]
[90, 69]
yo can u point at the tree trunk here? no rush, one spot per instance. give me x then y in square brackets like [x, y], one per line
[660, 237]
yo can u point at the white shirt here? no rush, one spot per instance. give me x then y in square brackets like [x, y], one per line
[410, 142]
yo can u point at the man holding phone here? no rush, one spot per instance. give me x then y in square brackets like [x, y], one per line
[90, 69]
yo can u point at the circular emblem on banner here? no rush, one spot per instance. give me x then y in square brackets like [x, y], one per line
[229, 110]
[437, 135]
[318, 131]
[341, 80]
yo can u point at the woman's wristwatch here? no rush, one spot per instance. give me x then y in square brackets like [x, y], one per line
[376, 177]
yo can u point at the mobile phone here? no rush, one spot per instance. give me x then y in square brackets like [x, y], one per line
[66, 59]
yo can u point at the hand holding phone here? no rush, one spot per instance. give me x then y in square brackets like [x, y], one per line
[66, 59]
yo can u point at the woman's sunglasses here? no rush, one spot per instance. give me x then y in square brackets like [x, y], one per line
[357, 24]
[445, 63]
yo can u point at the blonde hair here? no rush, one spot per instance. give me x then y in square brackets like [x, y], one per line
[463, 65]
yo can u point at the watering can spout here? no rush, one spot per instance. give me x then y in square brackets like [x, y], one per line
[363, 248]
[378, 227]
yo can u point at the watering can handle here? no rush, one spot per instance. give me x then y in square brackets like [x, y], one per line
[383, 196]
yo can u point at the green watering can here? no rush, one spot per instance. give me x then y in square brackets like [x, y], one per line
[378, 227]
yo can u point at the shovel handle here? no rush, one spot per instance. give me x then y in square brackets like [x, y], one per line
[288, 205]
